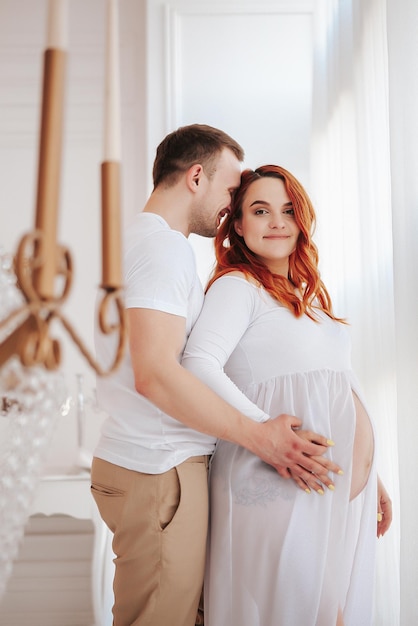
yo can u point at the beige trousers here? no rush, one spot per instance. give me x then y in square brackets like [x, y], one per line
[159, 524]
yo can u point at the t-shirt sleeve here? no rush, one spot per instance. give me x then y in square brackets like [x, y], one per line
[227, 312]
[159, 273]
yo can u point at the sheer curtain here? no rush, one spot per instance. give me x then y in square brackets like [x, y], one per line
[352, 194]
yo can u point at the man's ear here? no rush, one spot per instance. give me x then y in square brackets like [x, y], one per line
[194, 176]
[237, 227]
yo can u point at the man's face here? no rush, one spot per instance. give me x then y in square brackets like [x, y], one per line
[214, 199]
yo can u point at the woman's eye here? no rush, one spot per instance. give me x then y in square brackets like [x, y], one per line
[289, 212]
[260, 212]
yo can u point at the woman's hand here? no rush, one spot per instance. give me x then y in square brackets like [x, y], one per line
[384, 509]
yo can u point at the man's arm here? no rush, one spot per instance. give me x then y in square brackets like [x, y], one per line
[156, 342]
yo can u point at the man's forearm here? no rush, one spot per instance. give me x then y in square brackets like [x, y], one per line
[182, 395]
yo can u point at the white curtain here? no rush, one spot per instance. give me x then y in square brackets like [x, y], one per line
[351, 189]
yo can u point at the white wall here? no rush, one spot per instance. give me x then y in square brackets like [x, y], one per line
[243, 66]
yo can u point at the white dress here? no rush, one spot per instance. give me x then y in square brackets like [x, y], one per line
[277, 555]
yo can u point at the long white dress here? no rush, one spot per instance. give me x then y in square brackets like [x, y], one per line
[277, 555]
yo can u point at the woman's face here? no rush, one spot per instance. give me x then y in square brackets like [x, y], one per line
[268, 225]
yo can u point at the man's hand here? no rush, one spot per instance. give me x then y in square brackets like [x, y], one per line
[295, 453]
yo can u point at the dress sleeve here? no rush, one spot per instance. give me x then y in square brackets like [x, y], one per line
[227, 312]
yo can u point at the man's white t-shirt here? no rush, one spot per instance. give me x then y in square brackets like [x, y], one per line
[160, 274]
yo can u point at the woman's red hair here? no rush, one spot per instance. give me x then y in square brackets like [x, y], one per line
[303, 290]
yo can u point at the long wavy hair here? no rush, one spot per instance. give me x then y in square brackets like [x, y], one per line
[302, 291]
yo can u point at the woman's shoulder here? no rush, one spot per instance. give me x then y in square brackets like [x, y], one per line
[248, 278]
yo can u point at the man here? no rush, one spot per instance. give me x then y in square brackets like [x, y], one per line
[149, 474]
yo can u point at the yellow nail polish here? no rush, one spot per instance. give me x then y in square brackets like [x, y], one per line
[307, 490]
[379, 517]
[331, 487]
[321, 492]
[330, 442]
[340, 473]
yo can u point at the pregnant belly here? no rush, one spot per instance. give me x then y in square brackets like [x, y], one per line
[362, 451]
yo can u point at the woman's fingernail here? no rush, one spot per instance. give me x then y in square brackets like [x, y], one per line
[307, 490]
[331, 487]
[340, 473]
[330, 442]
[321, 492]
[379, 517]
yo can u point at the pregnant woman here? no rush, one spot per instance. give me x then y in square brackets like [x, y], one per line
[267, 338]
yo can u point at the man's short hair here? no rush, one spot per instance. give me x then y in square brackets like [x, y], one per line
[188, 145]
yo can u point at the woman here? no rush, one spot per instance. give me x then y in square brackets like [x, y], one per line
[267, 336]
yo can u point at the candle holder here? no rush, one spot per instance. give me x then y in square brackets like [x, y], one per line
[43, 268]
[31, 339]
